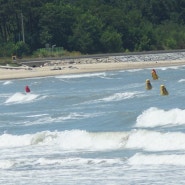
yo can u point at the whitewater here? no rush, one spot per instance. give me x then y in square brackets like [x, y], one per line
[94, 128]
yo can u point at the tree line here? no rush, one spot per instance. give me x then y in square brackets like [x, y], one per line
[91, 26]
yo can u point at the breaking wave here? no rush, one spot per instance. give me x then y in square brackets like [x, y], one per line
[154, 117]
[82, 140]
[19, 98]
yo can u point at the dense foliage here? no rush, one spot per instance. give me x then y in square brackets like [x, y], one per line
[91, 26]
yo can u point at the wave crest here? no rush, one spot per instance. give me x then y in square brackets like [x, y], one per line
[154, 117]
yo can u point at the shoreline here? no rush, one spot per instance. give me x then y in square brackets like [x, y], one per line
[79, 66]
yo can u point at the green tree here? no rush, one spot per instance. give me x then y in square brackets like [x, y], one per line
[21, 49]
[86, 34]
[7, 49]
[171, 36]
[93, 26]
[111, 41]
[56, 22]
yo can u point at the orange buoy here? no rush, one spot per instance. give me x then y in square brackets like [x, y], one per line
[148, 85]
[27, 89]
[163, 90]
[154, 74]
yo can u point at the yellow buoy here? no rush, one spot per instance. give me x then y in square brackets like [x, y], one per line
[163, 90]
[148, 85]
[154, 74]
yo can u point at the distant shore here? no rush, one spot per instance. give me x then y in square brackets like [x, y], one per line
[88, 65]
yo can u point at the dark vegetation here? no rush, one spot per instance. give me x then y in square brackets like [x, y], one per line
[62, 27]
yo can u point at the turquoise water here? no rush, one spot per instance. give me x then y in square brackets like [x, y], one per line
[94, 128]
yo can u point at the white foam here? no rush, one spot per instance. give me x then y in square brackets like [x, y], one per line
[169, 67]
[45, 118]
[21, 98]
[181, 80]
[7, 82]
[153, 159]
[92, 141]
[134, 70]
[122, 96]
[86, 75]
[6, 164]
[156, 141]
[67, 140]
[69, 161]
[36, 115]
[8, 140]
[77, 161]
[72, 140]
[154, 117]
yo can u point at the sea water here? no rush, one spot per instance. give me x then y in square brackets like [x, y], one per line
[95, 128]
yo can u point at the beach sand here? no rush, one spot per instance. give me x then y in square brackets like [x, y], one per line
[77, 67]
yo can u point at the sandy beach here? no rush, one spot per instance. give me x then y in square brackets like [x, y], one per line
[79, 66]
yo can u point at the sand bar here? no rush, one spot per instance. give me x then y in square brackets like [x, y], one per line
[77, 67]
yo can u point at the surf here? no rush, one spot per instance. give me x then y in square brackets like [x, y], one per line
[155, 117]
[21, 98]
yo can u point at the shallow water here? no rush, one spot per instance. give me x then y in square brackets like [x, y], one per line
[94, 128]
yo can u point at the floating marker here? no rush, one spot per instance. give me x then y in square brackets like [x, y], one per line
[163, 90]
[148, 85]
[154, 74]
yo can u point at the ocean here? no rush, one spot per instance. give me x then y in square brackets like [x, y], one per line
[100, 128]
